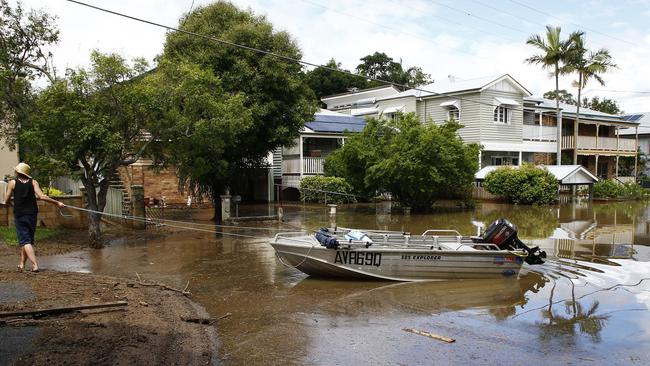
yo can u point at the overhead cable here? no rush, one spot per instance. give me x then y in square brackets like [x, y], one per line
[280, 56]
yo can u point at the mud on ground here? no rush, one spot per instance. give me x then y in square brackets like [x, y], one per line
[69, 240]
[151, 330]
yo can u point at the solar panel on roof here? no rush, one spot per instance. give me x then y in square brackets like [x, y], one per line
[632, 117]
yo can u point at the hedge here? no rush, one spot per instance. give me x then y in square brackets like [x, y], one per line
[324, 190]
[526, 184]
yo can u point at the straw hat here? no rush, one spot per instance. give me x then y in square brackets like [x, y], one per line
[23, 169]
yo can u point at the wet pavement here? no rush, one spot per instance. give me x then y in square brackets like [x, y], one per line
[587, 305]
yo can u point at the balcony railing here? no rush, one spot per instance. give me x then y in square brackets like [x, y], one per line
[600, 143]
[540, 133]
[313, 166]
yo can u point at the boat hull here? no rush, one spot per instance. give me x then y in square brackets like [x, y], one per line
[398, 265]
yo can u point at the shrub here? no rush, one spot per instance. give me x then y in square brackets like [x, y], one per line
[53, 192]
[317, 188]
[611, 189]
[607, 189]
[526, 184]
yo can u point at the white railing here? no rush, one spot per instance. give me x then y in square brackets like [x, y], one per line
[627, 144]
[540, 133]
[313, 166]
[567, 142]
[600, 143]
[587, 142]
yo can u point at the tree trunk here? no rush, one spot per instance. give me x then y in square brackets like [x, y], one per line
[558, 117]
[96, 202]
[577, 123]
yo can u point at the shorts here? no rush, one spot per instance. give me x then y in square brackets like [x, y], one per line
[25, 229]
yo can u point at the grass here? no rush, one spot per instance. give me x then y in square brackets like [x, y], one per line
[8, 234]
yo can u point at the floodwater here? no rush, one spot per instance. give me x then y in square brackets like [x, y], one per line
[587, 305]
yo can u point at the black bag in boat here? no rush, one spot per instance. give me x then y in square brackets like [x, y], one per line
[326, 240]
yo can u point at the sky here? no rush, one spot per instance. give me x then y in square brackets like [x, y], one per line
[463, 38]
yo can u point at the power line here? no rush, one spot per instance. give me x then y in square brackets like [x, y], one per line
[483, 31]
[426, 39]
[465, 12]
[619, 91]
[277, 55]
[576, 24]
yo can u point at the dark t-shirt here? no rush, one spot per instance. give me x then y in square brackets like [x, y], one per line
[24, 199]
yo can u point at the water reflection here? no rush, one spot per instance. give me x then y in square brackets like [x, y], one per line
[592, 290]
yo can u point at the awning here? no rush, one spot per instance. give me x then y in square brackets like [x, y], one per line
[396, 109]
[450, 103]
[504, 101]
[363, 111]
[365, 101]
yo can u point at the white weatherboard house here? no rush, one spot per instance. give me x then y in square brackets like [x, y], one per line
[306, 157]
[643, 119]
[501, 115]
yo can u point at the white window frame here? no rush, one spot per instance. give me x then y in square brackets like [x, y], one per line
[502, 115]
[451, 109]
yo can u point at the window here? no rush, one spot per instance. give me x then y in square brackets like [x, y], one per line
[504, 160]
[453, 113]
[502, 114]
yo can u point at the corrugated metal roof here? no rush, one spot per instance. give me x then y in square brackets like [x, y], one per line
[570, 109]
[335, 123]
[561, 172]
[643, 121]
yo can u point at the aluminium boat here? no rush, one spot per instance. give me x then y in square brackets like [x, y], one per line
[400, 256]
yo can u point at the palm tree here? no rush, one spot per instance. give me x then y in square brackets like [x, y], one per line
[587, 65]
[555, 53]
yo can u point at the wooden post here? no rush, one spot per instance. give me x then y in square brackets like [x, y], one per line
[636, 150]
[301, 157]
[597, 131]
[225, 207]
[596, 167]
[616, 166]
[137, 194]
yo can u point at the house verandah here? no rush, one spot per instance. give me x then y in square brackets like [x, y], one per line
[306, 157]
[602, 142]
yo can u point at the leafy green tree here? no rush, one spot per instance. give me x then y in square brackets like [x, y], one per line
[563, 95]
[90, 123]
[588, 65]
[417, 163]
[381, 66]
[266, 98]
[324, 190]
[554, 54]
[526, 184]
[326, 82]
[605, 105]
[24, 39]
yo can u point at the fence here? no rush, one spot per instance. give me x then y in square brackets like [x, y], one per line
[114, 201]
[3, 190]
[68, 185]
[480, 193]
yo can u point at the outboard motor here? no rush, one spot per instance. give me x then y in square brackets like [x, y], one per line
[504, 234]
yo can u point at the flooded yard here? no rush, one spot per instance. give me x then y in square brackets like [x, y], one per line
[588, 304]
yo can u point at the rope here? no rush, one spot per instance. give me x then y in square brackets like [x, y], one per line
[127, 217]
[150, 221]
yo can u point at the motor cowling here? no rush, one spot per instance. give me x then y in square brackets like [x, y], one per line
[503, 234]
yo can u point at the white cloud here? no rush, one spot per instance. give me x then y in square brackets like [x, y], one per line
[419, 32]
